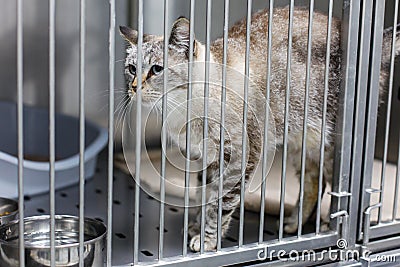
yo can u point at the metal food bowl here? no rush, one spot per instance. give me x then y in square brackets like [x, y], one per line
[8, 210]
[37, 242]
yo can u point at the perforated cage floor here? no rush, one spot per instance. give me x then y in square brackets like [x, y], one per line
[123, 216]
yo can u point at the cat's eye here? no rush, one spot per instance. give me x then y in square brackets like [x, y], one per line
[156, 69]
[132, 69]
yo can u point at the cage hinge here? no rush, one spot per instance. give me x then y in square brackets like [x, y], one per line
[343, 220]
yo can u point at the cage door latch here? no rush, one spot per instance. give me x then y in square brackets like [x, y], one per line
[343, 220]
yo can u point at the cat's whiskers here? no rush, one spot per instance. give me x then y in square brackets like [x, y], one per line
[121, 109]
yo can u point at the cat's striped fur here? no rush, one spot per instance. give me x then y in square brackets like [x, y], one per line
[177, 78]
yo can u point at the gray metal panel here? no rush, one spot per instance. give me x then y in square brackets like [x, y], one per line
[373, 101]
[359, 119]
[344, 125]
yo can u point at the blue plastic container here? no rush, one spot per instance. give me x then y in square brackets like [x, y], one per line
[36, 150]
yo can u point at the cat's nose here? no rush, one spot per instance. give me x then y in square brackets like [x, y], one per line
[134, 83]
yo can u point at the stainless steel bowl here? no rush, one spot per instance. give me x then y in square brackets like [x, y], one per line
[37, 242]
[8, 210]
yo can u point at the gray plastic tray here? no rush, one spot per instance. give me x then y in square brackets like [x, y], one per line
[36, 150]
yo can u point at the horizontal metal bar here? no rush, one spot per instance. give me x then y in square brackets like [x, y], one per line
[248, 253]
[384, 244]
[386, 258]
[384, 229]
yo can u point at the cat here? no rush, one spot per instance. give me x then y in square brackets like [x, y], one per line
[178, 54]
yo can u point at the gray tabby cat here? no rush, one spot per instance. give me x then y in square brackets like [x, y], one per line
[178, 52]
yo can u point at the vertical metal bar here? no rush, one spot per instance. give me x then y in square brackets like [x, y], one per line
[388, 111]
[138, 132]
[304, 141]
[344, 124]
[244, 126]
[323, 126]
[205, 126]
[367, 222]
[81, 129]
[52, 76]
[373, 100]
[163, 136]
[359, 119]
[266, 123]
[20, 96]
[396, 187]
[397, 184]
[188, 125]
[222, 126]
[286, 125]
[111, 69]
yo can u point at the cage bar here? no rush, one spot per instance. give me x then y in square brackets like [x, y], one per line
[397, 184]
[304, 140]
[52, 76]
[138, 132]
[266, 124]
[205, 126]
[222, 125]
[388, 111]
[286, 124]
[396, 188]
[344, 124]
[188, 130]
[20, 112]
[111, 70]
[323, 126]
[82, 40]
[360, 107]
[373, 100]
[164, 137]
[244, 126]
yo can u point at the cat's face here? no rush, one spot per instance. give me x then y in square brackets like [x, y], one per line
[152, 63]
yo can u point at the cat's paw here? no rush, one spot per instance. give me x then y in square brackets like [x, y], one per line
[324, 227]
[209, 243]
[290, 224]
[290, 228]
[193, 229]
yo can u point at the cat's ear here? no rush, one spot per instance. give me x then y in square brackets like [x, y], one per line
[180, 36]
[129, 34]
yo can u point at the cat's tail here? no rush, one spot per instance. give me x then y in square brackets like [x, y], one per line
[387, 56]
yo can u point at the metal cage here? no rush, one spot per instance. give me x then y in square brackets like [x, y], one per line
[144, 231]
